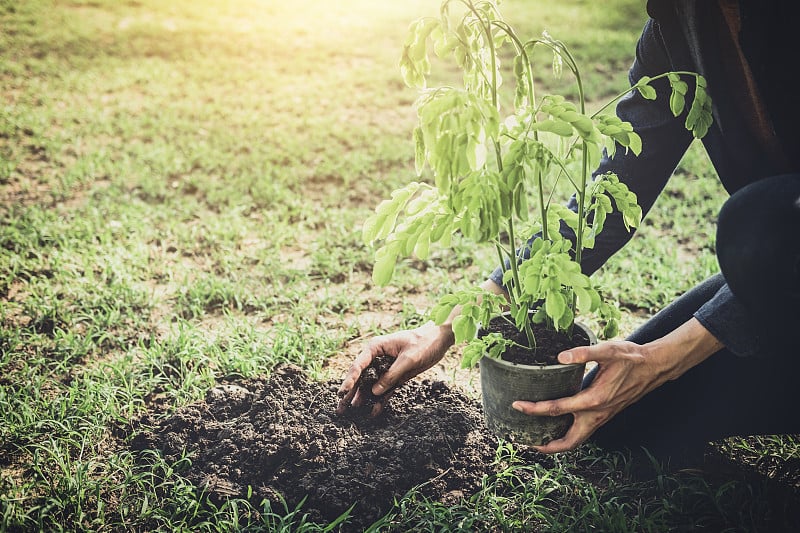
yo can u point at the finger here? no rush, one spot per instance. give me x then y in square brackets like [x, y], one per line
[570, 404]
[345, 401]
[581, 429]
[342, 406]
[396, 375]
[603, 351]
[360, 363]
[379, 406]
[571, 440]
[348, 393]
[358, 398]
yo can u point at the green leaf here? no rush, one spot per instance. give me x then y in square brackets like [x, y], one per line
[584, 299]
[635, 143]
[496, 350]
[419, 150]
[676, 103]
[423, 244]
[558, 65]
[464, 328]
[700, 118]
[646, 90]
[385, 260]
[594, 152]
[472, 354]
[555, 305]
[559, 127]
[382, 223]
[440, 313]
[583, 124]
[566, 319]
[611, 329]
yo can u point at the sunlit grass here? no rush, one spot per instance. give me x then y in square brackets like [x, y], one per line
[181, 189]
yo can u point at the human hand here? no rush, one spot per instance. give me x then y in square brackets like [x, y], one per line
[623, 377]
[627, 371]
[414, 351]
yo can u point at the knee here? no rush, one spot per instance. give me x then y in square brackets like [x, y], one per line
[758, 241]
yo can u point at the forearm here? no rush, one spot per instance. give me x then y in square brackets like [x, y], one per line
[678, 351]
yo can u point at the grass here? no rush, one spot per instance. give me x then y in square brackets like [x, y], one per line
[181, 189]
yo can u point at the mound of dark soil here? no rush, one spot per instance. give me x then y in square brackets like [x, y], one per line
[281, 435]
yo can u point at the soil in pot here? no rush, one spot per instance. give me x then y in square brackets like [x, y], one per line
[281, 436]
[549, 343]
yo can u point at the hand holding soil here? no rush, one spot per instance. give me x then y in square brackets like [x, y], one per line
[413, 352]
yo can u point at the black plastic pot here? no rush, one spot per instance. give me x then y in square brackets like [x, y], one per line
[502, 383]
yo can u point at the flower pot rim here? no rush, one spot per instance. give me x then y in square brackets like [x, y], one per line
[542, 367]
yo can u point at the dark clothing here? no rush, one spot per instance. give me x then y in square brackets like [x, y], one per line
[727, 395]
[753, 137]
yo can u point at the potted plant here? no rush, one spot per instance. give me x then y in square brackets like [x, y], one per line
[489, 155]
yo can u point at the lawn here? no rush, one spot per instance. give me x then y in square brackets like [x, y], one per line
[182, 186]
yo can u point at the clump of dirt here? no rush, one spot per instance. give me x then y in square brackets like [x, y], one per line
[369, 377]
[281, 436]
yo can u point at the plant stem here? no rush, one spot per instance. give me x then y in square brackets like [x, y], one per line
[526, 323]
[572, 298]
[633, 88]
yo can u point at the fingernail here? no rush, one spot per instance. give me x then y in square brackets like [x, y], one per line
[517, 406]
[565, 357]
[378, 389]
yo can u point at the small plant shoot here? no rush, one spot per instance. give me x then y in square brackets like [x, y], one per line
[489, 155]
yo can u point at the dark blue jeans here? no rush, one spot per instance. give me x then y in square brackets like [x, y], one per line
[758, 247]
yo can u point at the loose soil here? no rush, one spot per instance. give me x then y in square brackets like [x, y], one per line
[281, 436]
[549, 343]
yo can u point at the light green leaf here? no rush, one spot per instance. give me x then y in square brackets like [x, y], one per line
[385, 260]
[558, 65]
[584, 299]
[419, 150]
[611, 329]
[559, 127]
[699, 118]
[611, 146]
[423, 244]
[464, 328]
[583, 124]
[594, 154]
[676, 103]
[646, 90]
[635, 143]
[472, 354]
[440, 313]
[566, 319]
[555, 305]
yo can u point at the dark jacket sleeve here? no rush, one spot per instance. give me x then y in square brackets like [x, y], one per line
[728, 320]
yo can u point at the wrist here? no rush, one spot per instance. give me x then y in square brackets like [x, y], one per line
[678, 351]
[443, 331]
